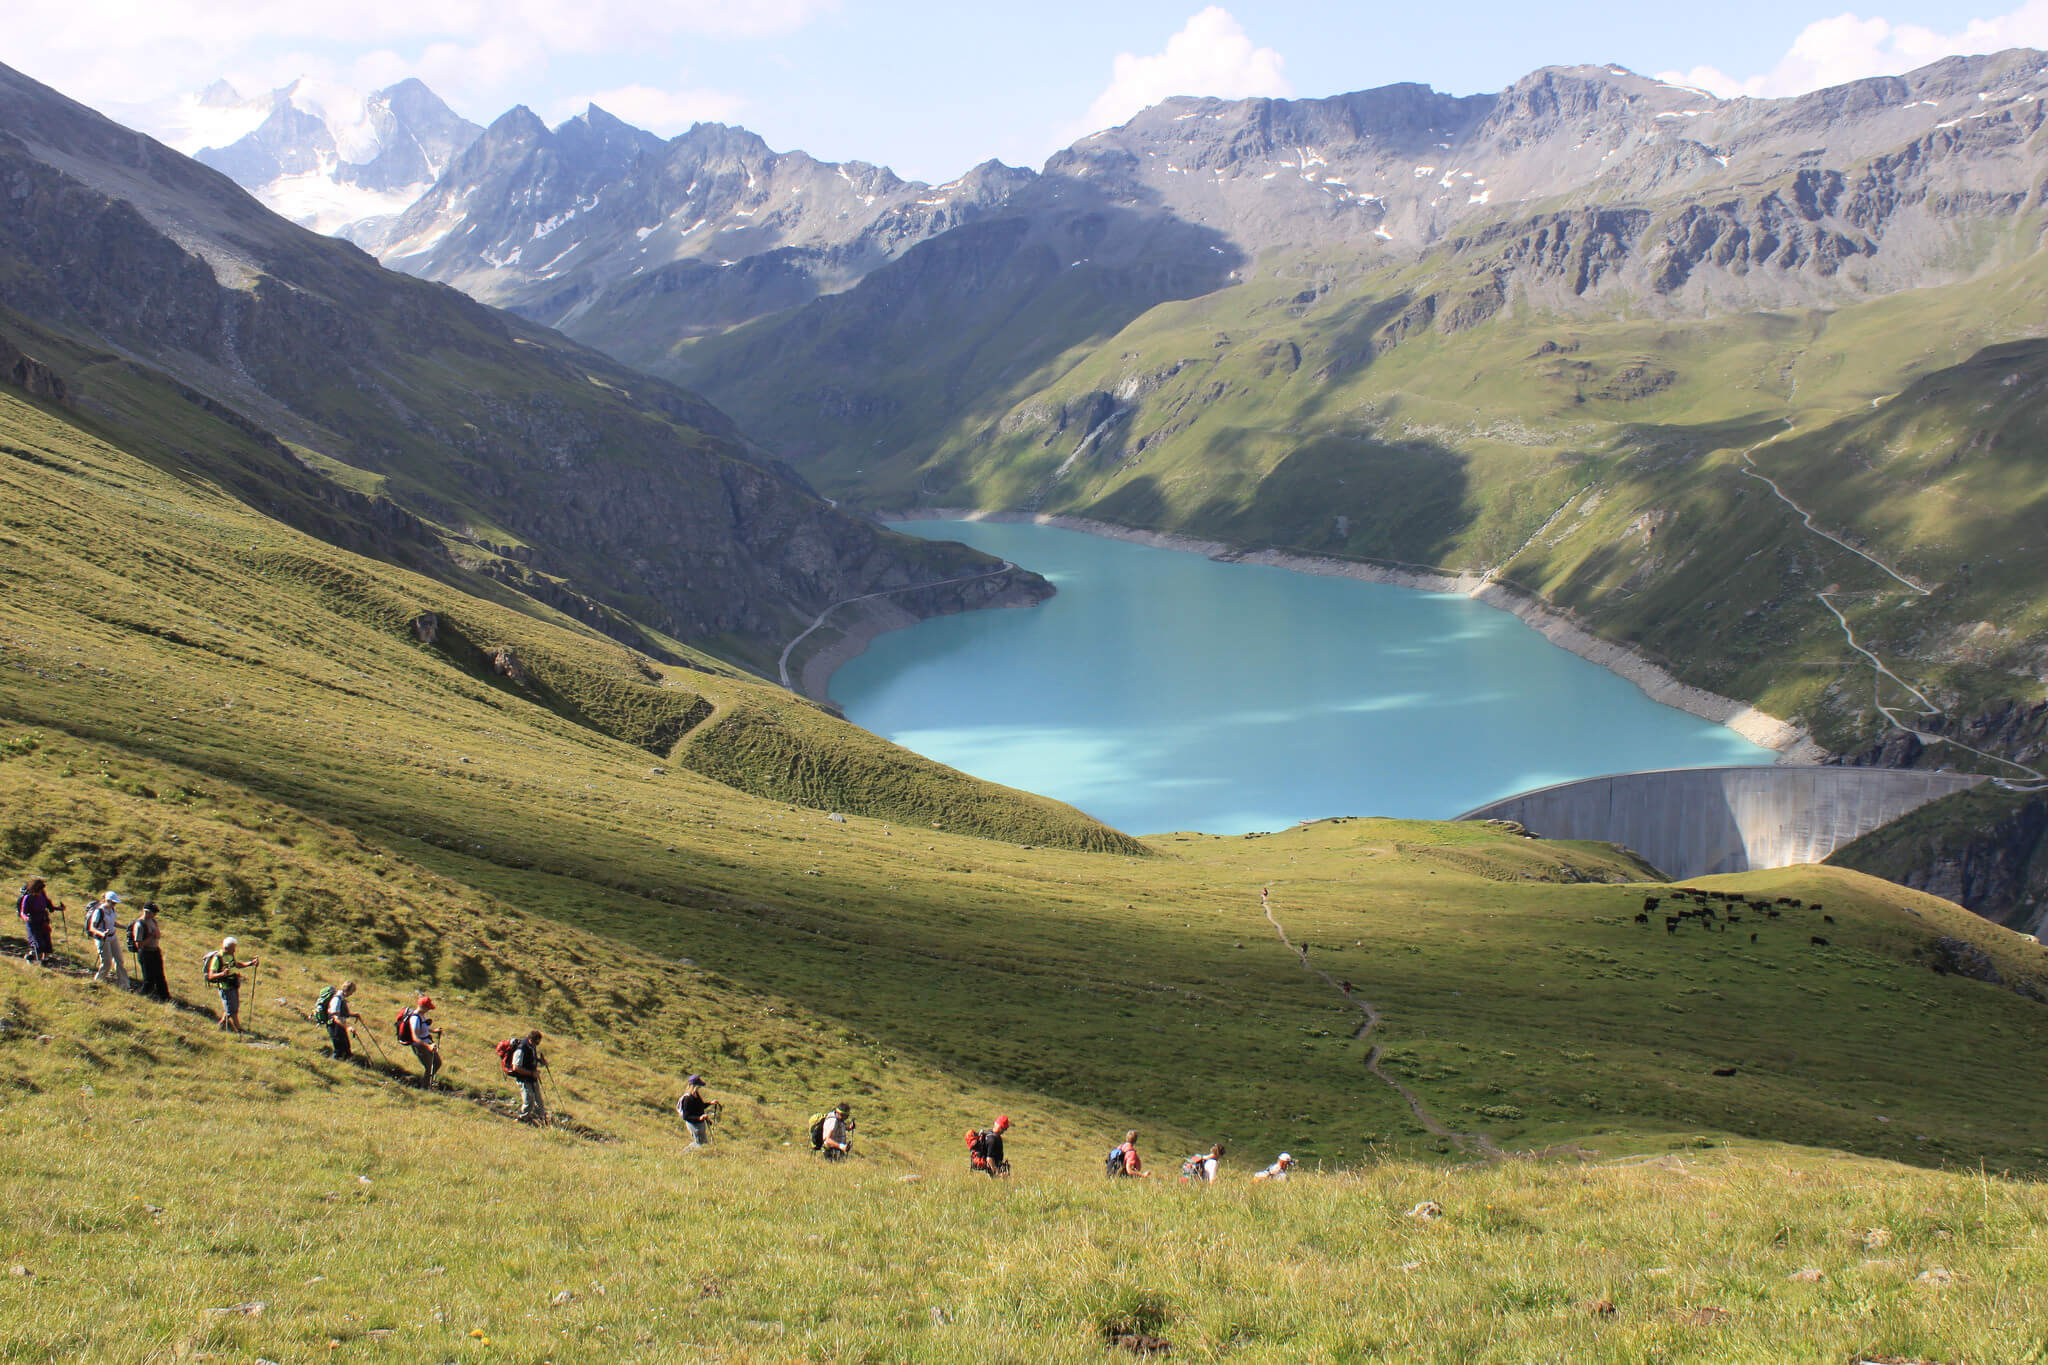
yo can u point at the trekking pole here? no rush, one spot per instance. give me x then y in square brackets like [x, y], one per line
[372, 1036]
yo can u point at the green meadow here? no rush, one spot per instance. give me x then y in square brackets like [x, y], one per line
[543, 828]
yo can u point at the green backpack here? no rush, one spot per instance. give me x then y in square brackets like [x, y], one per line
[326, 998]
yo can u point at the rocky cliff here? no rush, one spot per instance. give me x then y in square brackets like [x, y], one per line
[533, 460]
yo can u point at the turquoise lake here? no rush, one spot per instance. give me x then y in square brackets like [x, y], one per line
[1164, 691]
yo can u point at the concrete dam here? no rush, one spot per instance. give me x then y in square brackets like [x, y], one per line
[1692, 822]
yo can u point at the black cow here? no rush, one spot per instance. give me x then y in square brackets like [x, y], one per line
[1671, 924]
[1819, 942]
[1827, 919]
[1643, 918]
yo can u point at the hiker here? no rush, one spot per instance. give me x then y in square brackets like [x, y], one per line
[1203, 1166]
[835, 1134]
[146, 937]
[524, 1067]
[103, 922]
[35, 907]
[224, 973]
[417, 1031]
[697, 1112]
[1277, 1171]
[340, 1018]
[1123, 1160]
[985, 1148]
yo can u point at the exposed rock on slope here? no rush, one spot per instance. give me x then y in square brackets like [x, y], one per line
[524, 451]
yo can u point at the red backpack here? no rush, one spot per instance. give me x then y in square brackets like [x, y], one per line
[505, 1051]
[977, 1150]
[404, 1032]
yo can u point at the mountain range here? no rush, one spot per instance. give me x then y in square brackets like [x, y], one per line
[1607, 343]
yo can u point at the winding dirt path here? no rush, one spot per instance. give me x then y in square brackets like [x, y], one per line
[2034, 780]
[1465, 1142]
[782, 664]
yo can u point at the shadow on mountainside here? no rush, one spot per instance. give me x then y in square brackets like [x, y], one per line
[958, 324]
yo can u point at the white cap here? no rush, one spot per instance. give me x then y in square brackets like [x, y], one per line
[1286, 1158]
[228, 942]
[112, 898]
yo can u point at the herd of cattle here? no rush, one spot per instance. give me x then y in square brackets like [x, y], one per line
[1732, 904]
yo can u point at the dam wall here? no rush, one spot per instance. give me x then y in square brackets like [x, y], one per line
[1692, 822]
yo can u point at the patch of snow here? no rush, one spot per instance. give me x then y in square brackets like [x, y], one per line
[312, 200]
[502, 262]
[346, 113]
[190, 124]
[1383, 234]
[1424, 172]
[1269, 175]
[1722, 159]
[642, 234]
[545, 272]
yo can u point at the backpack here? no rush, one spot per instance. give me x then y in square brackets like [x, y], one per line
[134, 935]
[977, 1150]
[326, 998]
[817, 1132]
[21, 904]
[505, 1051]
[1113, 1164]
[1195, 1167]
[403, 1025]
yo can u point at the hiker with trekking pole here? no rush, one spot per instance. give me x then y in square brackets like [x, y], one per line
[333, 1010]
[35, 908]
[103, 927]
[224, 973]
[696, 1112]
[418, 1032]
[520, 1059]
[146, 937]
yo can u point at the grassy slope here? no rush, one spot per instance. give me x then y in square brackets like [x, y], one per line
[204, 707]
[181, 645]
[1321, 427]
[170, 1174]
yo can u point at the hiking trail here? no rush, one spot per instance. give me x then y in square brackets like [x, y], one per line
[782, 664]
[2034, 780]
[1465, 1142]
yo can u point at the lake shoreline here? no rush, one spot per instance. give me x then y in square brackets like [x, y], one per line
[1791, 743]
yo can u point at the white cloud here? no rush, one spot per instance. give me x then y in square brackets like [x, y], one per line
[106, 51]
[658, 111]
[1849, 48]
[1211, 55]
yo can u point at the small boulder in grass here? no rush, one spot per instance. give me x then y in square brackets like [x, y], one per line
[1876, 1239]
[566, 1296]
[1936, 1275]
[1601, 1308]
[1426, 1211]
[1807, 1276]
[1139, 1343]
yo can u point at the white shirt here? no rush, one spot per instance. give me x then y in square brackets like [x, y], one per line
[106, 918]
[835, 1130]
[1277, 1171]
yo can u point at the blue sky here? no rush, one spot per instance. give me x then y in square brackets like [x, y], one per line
[932, 88]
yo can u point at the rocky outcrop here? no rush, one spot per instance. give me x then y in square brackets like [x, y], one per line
[30, 375]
